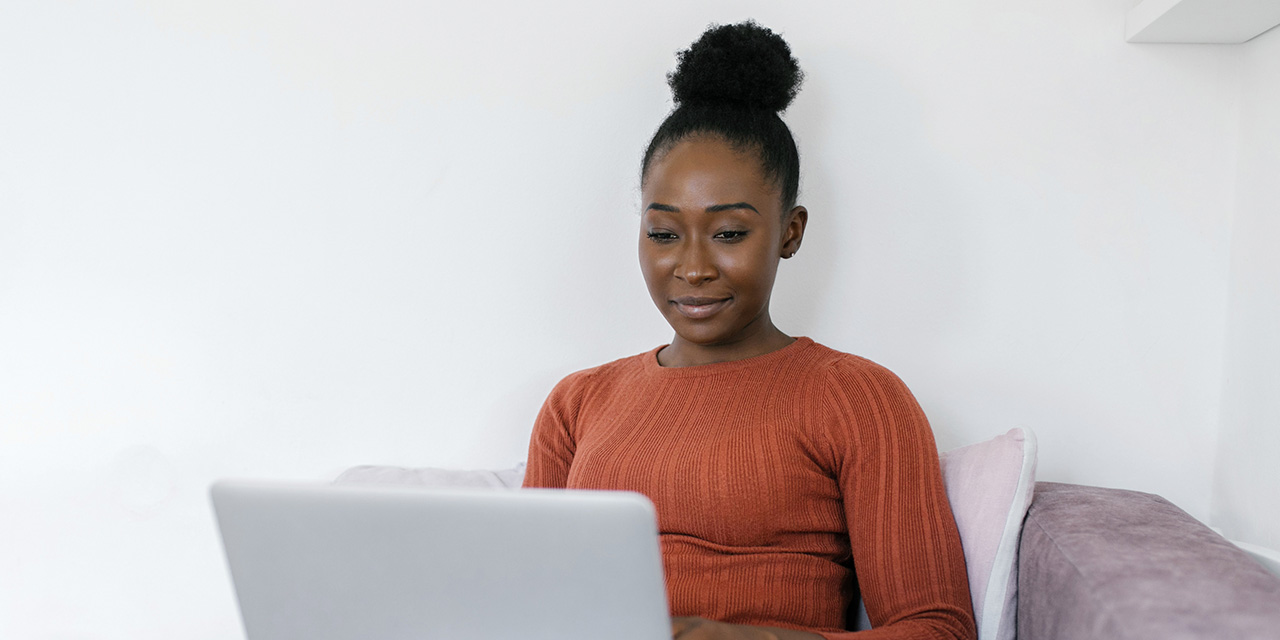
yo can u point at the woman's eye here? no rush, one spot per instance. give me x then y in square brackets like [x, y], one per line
[661, 236]
[731, 235]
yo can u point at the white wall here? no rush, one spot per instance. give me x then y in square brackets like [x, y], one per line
[275, 239]
[1246, 496]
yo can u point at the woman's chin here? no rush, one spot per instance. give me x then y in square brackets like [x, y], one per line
[706, 337]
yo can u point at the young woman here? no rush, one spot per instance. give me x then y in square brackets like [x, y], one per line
[787, 476]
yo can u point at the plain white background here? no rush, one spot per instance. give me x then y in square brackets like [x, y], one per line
[1246, 495]
[281, 238]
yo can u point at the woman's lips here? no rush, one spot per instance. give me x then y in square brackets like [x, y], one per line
[699, 308]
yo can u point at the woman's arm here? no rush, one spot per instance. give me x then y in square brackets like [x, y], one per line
[903, 537]
[554, 438]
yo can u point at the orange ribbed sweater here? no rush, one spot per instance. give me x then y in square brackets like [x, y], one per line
[774, 477]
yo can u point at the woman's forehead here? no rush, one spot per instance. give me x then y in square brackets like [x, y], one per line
[707, 171]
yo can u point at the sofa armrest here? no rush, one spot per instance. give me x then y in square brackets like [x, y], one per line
[1108, 563]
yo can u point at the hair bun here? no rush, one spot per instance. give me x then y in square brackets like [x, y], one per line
[741, 64]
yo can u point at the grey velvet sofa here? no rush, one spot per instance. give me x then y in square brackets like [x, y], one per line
[1100, 563]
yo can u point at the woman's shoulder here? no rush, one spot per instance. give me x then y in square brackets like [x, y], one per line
[584, 381]
[858, 390]
[864, 406]
[841, 366]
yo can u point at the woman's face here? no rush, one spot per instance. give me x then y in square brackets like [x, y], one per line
[711, 234]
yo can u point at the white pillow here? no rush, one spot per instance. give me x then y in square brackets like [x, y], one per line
[429, 477]
[990, 486]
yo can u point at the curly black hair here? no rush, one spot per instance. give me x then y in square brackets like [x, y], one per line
[732, 83]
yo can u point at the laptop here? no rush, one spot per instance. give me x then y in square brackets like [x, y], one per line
[324, 562]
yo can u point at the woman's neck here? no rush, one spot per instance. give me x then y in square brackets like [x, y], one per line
[682, 353]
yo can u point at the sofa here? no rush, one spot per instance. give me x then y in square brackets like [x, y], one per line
[1092, 563]
[1110, 563]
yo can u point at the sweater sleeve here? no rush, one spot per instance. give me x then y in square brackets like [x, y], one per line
[903, 537]
[554, 438]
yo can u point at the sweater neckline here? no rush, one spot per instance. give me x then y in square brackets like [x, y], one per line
[652, 367]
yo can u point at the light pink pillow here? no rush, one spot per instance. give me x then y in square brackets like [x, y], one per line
[990, 485]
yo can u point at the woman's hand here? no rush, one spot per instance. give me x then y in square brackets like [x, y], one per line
[703, 629]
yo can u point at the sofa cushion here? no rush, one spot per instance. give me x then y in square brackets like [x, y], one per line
[989, 485]
[1108, 563]
[431, 477]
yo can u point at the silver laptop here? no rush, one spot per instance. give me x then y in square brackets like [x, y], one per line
[324, 562]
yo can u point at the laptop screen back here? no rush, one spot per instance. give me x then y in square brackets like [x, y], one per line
[344, 563]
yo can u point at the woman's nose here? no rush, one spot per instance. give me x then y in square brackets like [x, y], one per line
[696, 264]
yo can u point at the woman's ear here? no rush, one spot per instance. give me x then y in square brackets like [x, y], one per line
[793, 231]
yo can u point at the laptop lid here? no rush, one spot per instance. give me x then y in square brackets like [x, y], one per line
[324, 562]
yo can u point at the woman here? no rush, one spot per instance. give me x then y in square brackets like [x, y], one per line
[780, 468]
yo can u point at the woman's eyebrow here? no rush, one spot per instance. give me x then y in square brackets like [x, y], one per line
[726, 207]
[657, 206]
